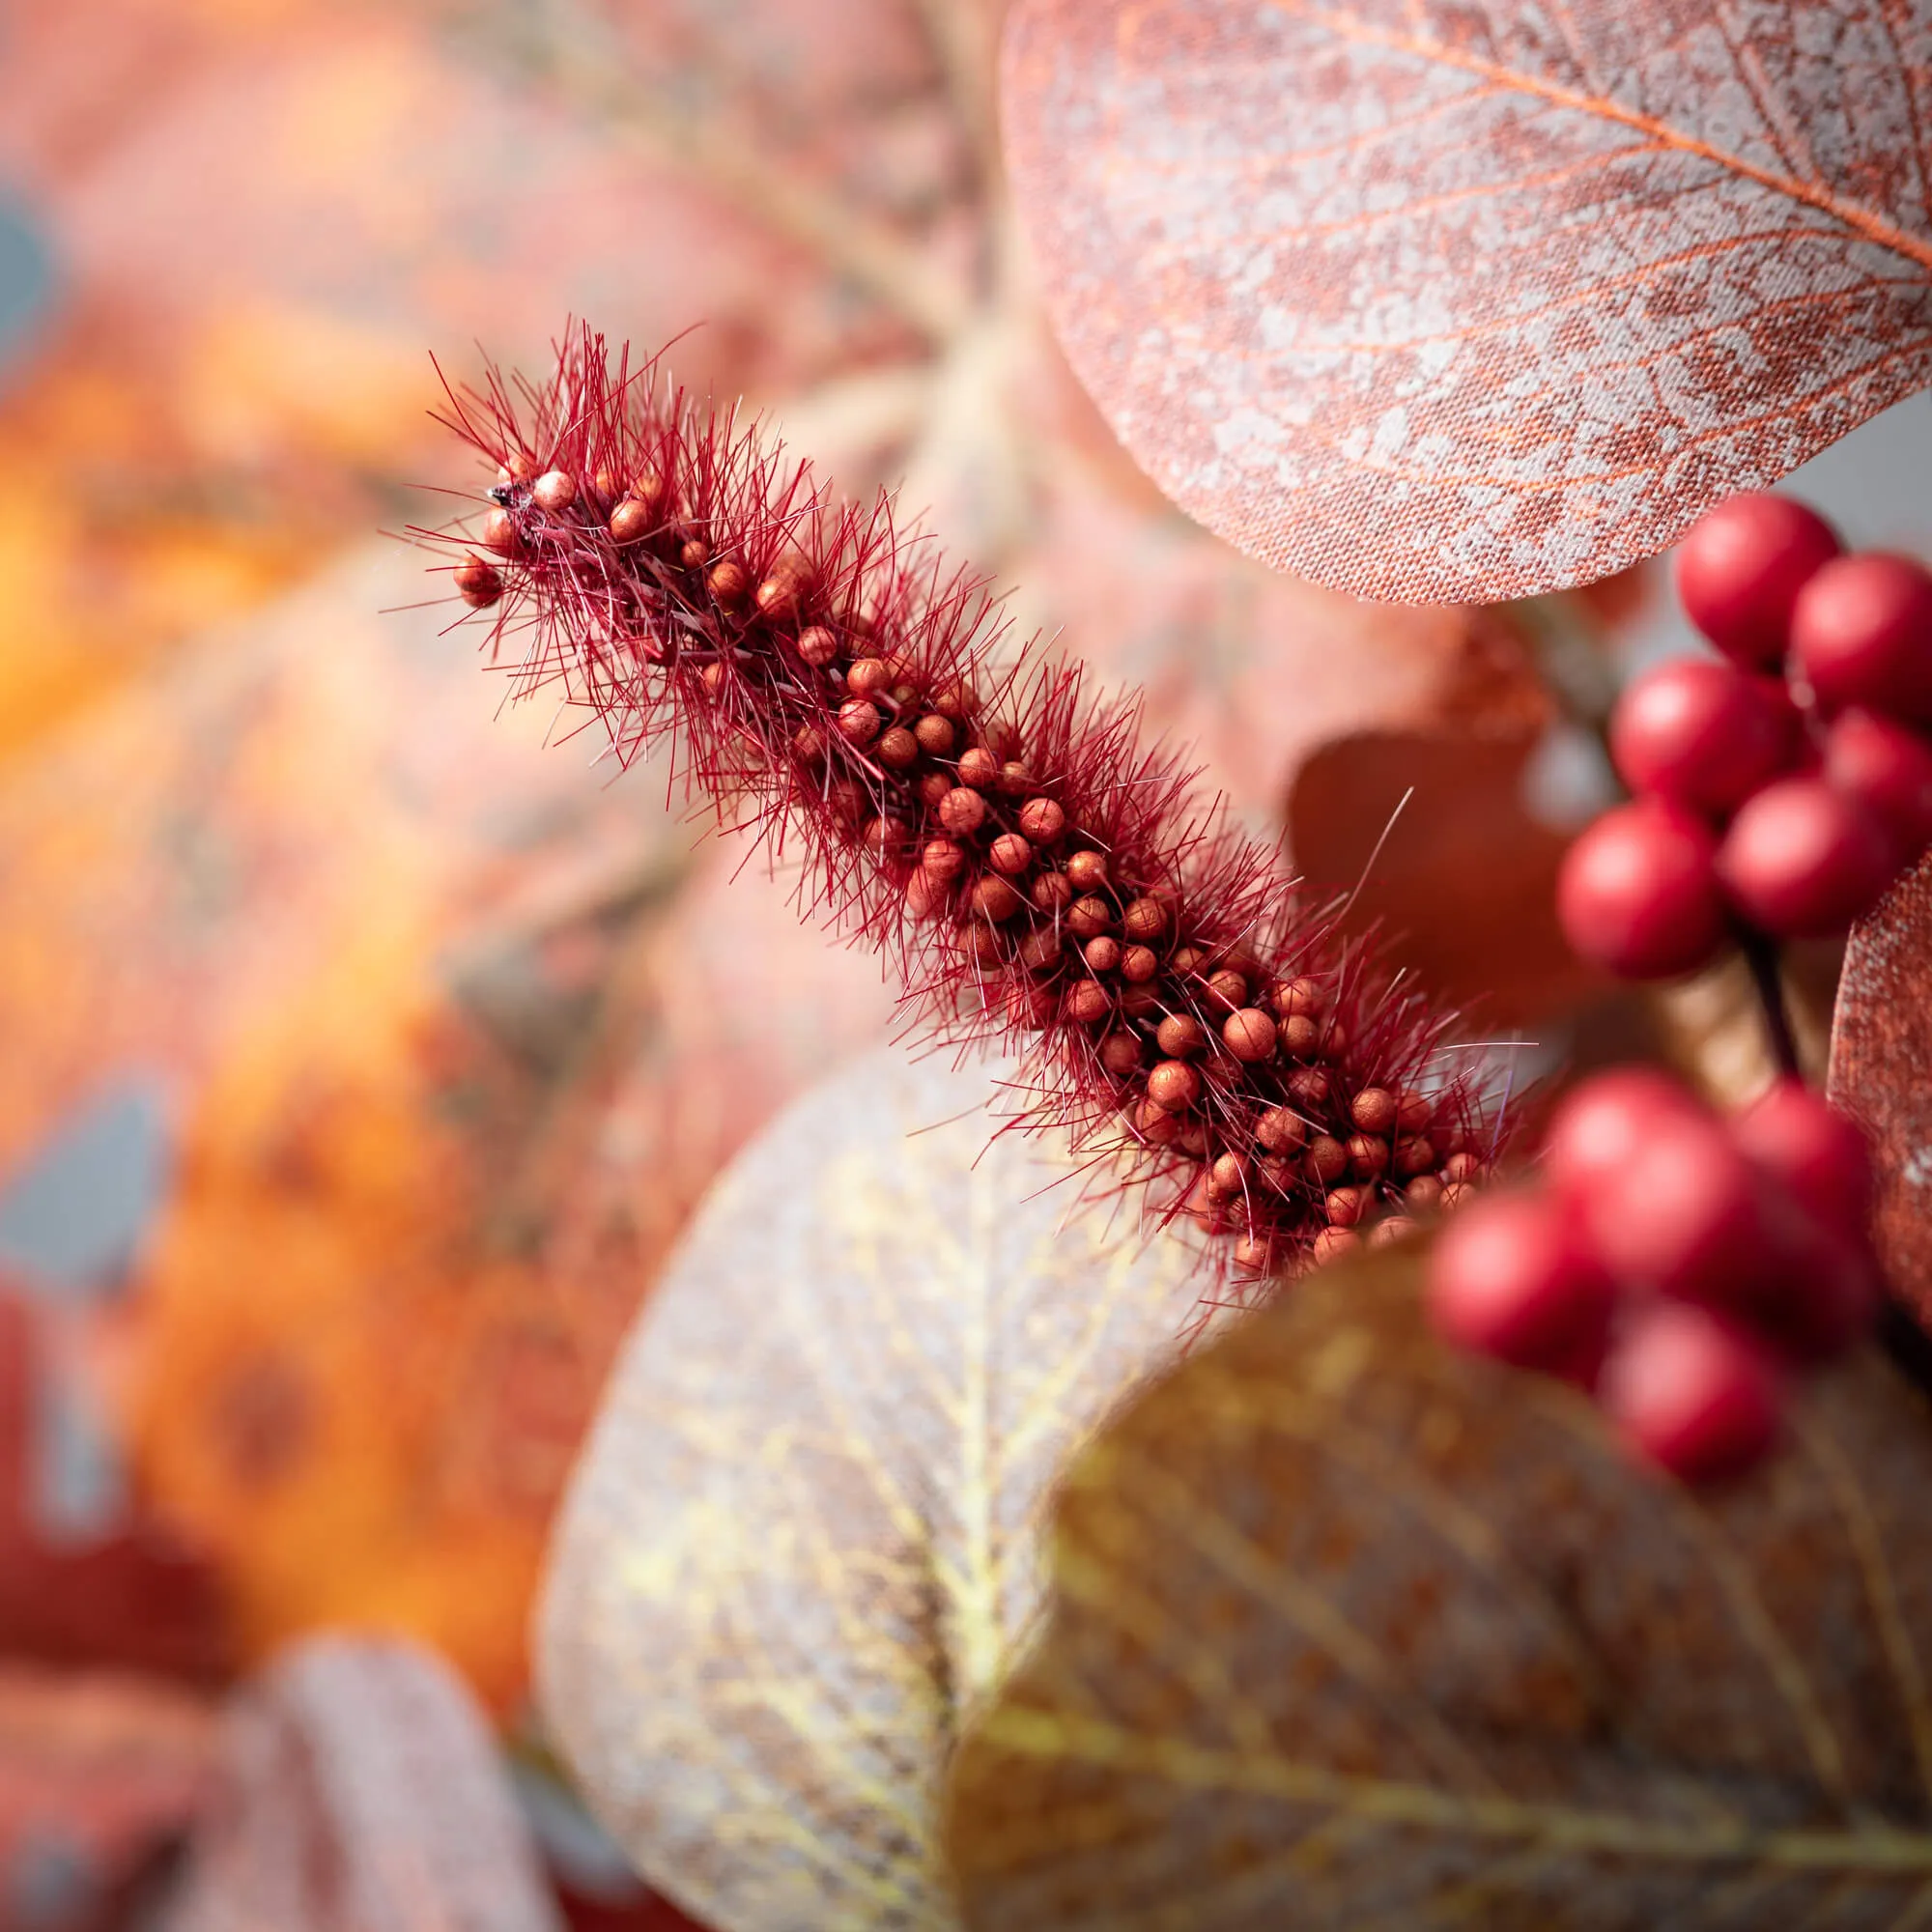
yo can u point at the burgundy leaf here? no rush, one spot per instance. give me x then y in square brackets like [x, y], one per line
[1881, 1048]
[1437, 302]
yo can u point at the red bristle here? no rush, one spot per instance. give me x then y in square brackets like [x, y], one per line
[1037, 874]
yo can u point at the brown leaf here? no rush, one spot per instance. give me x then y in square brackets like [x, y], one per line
[1882, 1072]
[1439, 303]
[1349, 1630]
[801, 1540]
[357, 1789]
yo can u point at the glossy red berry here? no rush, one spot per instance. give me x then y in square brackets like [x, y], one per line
[1685, 1215]
[1825, 1294]
[1702, 733]
[1888, 768]
[1695, 1394]
[1802, 859]
[1602, 1124]
[1862, 634]
[1740, 571]
[1815, 1156]
[1638, 894]
[1512, 1277]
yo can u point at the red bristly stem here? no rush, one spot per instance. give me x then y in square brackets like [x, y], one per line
[1032, 870]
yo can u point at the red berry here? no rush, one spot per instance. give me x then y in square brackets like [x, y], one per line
[1742, 567]
[1685, 1215]
[1825, 1294]
[1638, 892]
[1696, 1394]
[1511, 1278]
[1862, 634]
[1702, 733]
[1802, 859]
[1816, 1155]
[1888, 768]
[1601, 1126]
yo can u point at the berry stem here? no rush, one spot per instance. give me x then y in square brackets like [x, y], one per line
[1761, 956]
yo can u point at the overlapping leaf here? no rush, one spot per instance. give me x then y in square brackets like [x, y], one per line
[1348, 1630]
[1881, 1071]
[801, 1540]
[1434, 303]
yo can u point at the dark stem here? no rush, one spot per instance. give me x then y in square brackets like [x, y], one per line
[1761, 956]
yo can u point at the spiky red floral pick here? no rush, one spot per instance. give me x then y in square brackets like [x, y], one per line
[1034, 872]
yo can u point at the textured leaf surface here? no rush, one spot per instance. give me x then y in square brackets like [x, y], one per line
[1437, 302]
[1881, 1071]
[1348, 1631]
[801, 1540]
[356, 1788]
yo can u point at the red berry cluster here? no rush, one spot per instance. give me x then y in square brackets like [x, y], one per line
[1781, 786]
[1681, 1265]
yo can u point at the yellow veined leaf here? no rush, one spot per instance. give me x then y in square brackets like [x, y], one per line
[1350, 1631]
[801, 1540]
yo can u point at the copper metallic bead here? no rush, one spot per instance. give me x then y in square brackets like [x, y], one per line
[1174, 1084]
[807, 744]
[1041, 950]
[817, 646]
[866, 677]
[1462, 1167]
[1331, 1244]
[1141, 1003]
[692, 551]
[1052, 891]
[995, 899]
[1187, 959]
[858, 720]
[978, 770]
[1102, 954]
[848, 799]
[1180, 1034]
[1368, 1154]
[1225, 991]
[519, 467]
[1016, 780]
[1414, 1155]
[1256, 1254]
[935, 734]
[1032, 1008]
[1412, 1111]
[1042, 821]
[1385, 1233]
[1299, 1037]
[957, 701]
[1295, 996]
[1327, 1160]
[1374, 1109]
[477, 582]
[714, 677]
[1010, 854]
[982, 944]
[1145, 919]
[501, 534]
[1279, 1131]
[1156, 1125]
[904, 696]
[1139, 964]
[926, 898]
[1122, 1053]
[1456, 1194]
[1346, 1206]
[1249, 1034]
[778, 594]
[961, 811]
[934, 790]
[554, 491]
[1334, 1040]
[728, 580]
[883, 836]
[1423, 1194]
[1088, 871]
[1308, 1087]
[1277, 1173]
[897, 749]
[1228, 1178]
[1002, 738]
[1087, 1003]
[1088, 917]
[632, 520]
[943, 858]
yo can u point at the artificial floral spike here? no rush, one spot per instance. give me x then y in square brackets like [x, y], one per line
[1032, 870]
